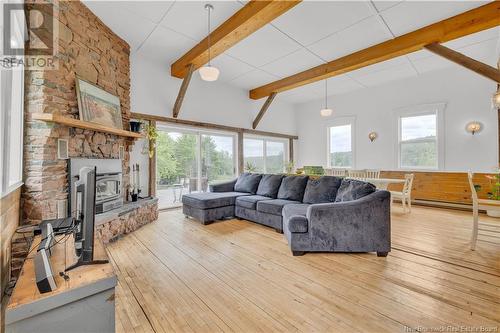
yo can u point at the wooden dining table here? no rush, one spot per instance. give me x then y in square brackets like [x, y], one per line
[381, 183]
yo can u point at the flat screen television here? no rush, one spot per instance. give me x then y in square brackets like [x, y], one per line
[85, 188]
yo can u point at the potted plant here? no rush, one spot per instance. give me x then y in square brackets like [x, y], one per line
[250, 167]
[152, 135]
[494, 193]
[289, 167]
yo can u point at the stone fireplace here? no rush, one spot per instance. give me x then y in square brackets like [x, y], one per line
[89, 49]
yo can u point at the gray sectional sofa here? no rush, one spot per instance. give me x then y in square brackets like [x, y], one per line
[325, 214]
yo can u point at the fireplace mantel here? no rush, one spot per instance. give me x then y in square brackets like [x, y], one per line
[71, 122]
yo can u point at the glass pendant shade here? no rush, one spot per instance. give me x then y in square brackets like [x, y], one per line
[209, 73]
[326, 112]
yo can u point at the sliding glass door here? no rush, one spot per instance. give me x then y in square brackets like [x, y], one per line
[217, 158]
[188, 161]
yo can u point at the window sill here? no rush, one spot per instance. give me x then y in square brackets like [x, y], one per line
[11, 189]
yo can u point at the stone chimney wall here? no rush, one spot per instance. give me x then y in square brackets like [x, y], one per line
[88, 49]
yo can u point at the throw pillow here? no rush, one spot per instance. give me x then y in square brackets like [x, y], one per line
[269, 185]
[351, 189]
[247, 182]
[321, 190]
[292, 188]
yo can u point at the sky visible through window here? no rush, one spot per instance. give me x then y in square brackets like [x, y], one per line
[340, 139]
[222, 143]
[253, 147]
[418, 127]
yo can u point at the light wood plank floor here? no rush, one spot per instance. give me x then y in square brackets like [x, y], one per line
[178, 275]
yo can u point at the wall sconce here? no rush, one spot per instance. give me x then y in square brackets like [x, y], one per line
[496, 100]
[474, 127]
[372, 136]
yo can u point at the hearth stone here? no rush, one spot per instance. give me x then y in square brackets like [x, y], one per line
[131, 216]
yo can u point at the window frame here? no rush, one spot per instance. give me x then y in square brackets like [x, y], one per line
[8, 140]
[341, 121]
[416, 111]
[265, 140]
[166, 127]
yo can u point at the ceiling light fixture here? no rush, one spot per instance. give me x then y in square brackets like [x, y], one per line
[209, 73]
[326, 112]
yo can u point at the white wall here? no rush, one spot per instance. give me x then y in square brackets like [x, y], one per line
[153, 91]
[467, 97]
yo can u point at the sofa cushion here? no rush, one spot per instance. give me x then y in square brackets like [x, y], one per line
[321, 190]
[351, 189]
[208, 200]
[250, 201]
[273, 206]
[247, 182]
[292, 188]
[269, 185]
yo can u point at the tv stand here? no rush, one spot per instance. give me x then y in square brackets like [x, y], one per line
[81, 262]
[83, 292]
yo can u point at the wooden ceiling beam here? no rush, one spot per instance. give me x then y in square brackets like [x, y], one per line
[472, 21]
[243, 23]
[211, 126]
[263, 110]
[476, 66]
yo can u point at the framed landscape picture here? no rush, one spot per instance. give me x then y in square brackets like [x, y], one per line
[98, 106]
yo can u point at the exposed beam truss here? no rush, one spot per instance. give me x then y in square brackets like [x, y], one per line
[472, 21]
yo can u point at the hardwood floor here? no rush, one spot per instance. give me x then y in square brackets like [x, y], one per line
[178, 275]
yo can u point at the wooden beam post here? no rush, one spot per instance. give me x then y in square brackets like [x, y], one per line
[498, 112]
[263, 110]
[463, 60]
[241, 161]
[182, 91]
[152, 165]
[469, 22]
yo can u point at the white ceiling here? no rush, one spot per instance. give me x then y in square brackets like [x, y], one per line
[308, 35]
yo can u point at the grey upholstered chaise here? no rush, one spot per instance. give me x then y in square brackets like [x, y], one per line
[327, 214]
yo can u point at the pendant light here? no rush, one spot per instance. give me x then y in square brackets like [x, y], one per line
[209, 73]
[326, 112]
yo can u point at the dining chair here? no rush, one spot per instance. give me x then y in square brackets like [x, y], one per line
[338, 172]
[483, 204]
[405, 194]
[357, 174]
[372, 173]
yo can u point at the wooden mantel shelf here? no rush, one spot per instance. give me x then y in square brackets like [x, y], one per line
[71, 122]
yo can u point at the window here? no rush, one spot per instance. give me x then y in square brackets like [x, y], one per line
[11, 122]
[340, 153]
[418, 142]
[264, 155]
[189, 161]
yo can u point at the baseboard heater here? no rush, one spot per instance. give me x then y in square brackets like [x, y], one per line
[443, 204]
